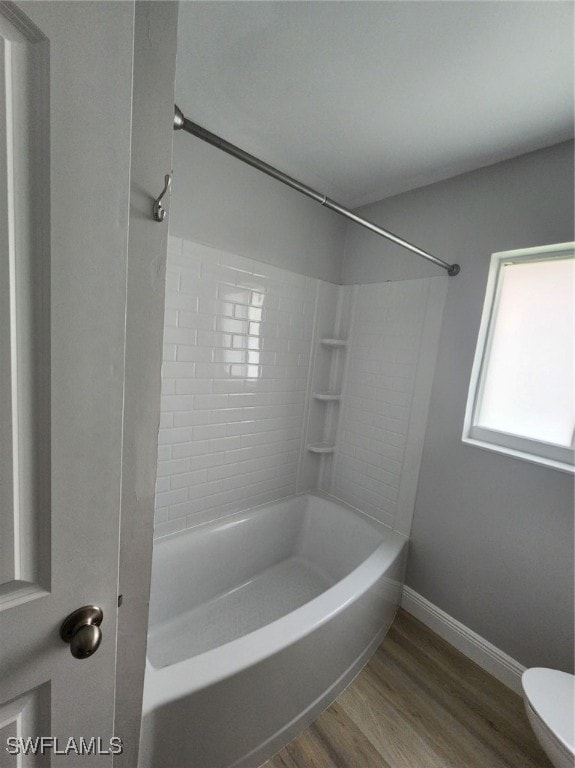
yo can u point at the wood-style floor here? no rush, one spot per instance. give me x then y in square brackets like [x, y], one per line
[419, 703]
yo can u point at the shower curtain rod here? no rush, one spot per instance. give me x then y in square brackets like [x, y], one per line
[182, 123]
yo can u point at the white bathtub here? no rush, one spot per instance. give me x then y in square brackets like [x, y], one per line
[257, 622]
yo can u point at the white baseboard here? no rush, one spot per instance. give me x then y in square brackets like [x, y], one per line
[475, 647]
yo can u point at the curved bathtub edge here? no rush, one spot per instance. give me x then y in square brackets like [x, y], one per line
[190, 731]
[163, 685]
[280, 739]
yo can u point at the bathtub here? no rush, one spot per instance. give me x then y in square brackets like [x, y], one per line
[257, 622]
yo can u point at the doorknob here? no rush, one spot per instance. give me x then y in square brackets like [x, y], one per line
[82, 630]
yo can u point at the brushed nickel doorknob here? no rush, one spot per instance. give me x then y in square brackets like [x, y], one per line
[81, 629]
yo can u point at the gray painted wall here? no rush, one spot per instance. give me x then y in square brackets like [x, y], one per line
[221, 202]
[492, 540]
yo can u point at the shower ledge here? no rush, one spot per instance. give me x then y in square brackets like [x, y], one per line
[334, 342]
[327, 397]
[321, 448]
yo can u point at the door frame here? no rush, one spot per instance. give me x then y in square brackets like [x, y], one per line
[155, 40]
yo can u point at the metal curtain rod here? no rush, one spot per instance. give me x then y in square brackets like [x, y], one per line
[182, 123]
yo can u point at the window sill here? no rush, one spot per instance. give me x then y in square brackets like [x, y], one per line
[531, 458]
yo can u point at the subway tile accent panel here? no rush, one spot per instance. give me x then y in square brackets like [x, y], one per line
[237, 349]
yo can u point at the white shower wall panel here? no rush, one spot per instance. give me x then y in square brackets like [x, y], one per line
[242, 359]
[393, 335]
[237, 349]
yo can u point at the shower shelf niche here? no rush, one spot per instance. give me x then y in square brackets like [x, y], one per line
[321, 448]
[327, 397]
[337, 343]
[331, 394]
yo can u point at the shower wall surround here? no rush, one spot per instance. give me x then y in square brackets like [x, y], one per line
[393, 336]
[238, 340]
[242, 357]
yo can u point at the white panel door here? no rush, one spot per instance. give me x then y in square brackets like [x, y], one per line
[65, 134]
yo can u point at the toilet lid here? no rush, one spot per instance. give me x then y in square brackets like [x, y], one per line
[551, 694]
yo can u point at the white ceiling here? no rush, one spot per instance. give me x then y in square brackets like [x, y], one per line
[363, 100]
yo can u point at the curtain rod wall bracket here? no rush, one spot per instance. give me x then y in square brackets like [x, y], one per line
[178, 118]
[182, 123]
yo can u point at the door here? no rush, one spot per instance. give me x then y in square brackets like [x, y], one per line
[66, 80]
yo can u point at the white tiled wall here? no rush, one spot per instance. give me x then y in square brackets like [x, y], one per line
[237, 348]
[241, 360]
[393, 334]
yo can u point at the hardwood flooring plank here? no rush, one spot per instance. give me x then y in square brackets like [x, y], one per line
[419, 703]
[402, 745]
[468, 675]
[345, 742]
[281, 760]
[332, 741]
[303, 752]
[416, 712]
[486, 708]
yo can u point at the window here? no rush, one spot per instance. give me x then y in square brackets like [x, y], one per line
[522, 394]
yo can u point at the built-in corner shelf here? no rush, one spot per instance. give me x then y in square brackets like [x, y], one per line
[327, 397]
[333, 342]
[321, 448]
[327, 417]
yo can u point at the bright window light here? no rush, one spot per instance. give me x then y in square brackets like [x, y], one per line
[522, 394]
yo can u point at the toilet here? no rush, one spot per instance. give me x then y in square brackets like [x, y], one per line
[549, 701]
